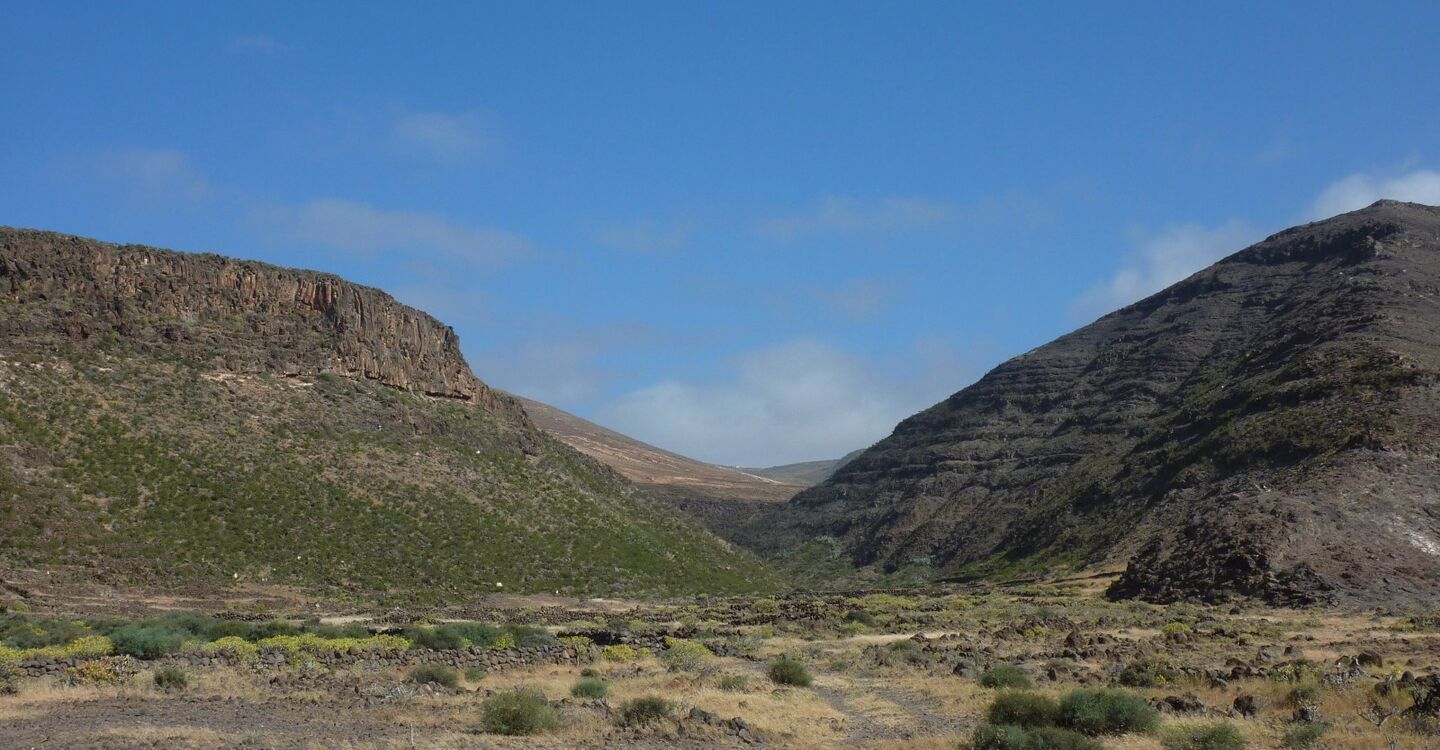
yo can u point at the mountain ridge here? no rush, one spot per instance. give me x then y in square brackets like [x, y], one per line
[1210, 439]
[169, 419]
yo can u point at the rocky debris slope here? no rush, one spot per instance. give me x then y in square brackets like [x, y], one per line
[1265, 427]
[242, 316]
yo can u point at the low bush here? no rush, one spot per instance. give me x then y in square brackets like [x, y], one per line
[1005, 676]
[999, 737]
[171, 679]
[1106, 711]
[99, 672]
[1010, 737]
[590, 687]
[646, 710]
[518, 712]
[231, 646]
[1305, 692]
[734, 683]
[1174, 630]
[148, 641]
[787, 671]
[619, 652]
[1220, 735]
[1303, 735]
[434, 674]
[1147, 673]
[681, 654]
[475, 674]
[1023, 710]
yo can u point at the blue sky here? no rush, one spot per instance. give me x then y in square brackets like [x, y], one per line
[751, 232]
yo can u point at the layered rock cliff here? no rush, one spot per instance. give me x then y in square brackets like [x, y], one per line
[1266, 427]
[240, 315]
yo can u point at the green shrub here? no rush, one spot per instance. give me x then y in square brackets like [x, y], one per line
[619, 652]
[1055, 738]
[681, 654]
[171, 679]
[646, 710]
[590, 687]
[734, 683]
[1011, 737]
[147, 641]
[787, 671]
[475, 674]
[1175, 629]
[1303, 735]
[434, 674]
[999, 737]
[1106, 711]
[97, 672]
[517, 712]
[1147, 673]
[1305, 692]
[273, 628]
[1004, 676]
[232, 646]
[1023, 710]
[1220, 735]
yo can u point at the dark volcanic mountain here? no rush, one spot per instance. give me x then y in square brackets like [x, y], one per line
[1266, 427]
[169, 418]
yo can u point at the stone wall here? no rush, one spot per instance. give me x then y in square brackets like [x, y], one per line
[488, 659]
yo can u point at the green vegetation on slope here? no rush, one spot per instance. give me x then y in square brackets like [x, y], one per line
[154, 471]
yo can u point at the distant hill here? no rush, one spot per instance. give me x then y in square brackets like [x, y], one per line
[719, 496]
[1266, 427]
[172, 420]
[804, 474]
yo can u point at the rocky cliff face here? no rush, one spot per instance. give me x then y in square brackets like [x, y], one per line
[241, 316]
[1266, 427]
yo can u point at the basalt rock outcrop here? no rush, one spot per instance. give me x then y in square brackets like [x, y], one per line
[1266, 427]
[242, 316]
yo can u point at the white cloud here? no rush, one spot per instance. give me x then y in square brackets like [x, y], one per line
[560, 372]
[646, 237]
[1161, 260]
[839, 215]
[356, 227]
[796, 401]
[152, 175]
[444, 136]
[858, 299]
[1360, 190]
[262, 44]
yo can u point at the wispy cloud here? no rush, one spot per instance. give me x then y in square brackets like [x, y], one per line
[794, 401]
[260, 44]
[1160, 260]
[148, 175]
[442, 135]
[646, 237]
[858, 299]
[1360, 190]
[356, 227]
[837, 214]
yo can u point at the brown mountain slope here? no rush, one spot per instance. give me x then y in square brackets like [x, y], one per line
[805, 473]
[1265, 427]
[176, 420]
[720, 497]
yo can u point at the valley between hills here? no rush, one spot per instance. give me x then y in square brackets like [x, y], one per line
[257, 507]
